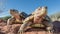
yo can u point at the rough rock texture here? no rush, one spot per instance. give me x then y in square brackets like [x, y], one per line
[13, 29]
[56, 26]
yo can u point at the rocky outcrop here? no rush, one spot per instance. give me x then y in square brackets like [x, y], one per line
[56, 26]
[13, 29]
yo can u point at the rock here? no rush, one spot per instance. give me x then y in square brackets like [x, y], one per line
[2, 24]
[56, 25]
[13, 29]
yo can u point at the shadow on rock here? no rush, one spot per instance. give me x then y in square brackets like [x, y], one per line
[2, 33]
[56, 26]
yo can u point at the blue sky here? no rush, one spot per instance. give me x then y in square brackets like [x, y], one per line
[28, 6]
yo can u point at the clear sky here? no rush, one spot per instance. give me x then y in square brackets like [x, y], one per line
[28, 6]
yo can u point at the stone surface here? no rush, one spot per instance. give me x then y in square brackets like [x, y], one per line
[13, 29]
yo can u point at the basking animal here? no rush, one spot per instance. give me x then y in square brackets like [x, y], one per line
[16, 17]
[36, 18]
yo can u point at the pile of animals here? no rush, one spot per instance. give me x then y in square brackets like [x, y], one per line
[19, 23]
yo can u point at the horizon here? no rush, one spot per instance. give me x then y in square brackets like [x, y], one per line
[28, 6]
